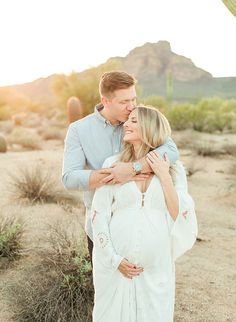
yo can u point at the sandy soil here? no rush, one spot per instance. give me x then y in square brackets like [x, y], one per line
[205, 276]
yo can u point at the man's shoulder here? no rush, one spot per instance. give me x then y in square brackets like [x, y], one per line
[85, 121]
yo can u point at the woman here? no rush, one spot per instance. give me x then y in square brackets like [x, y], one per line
[140, 228]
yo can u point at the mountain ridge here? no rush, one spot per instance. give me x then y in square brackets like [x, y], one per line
[154, 65]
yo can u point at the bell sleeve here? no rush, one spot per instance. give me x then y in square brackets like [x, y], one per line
[184, 229]
[101, 216]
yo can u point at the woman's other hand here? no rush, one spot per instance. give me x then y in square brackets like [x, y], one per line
[159, 166]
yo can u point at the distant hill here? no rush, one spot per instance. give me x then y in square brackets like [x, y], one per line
[154, 65]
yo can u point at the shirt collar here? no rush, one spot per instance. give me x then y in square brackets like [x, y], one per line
[97, 110]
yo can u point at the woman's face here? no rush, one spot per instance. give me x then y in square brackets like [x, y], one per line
[131, 129]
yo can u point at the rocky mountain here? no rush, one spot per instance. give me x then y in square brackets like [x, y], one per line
[156, 67]
[154, 61]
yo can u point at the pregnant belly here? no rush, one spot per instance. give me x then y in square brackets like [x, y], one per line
[140, 236]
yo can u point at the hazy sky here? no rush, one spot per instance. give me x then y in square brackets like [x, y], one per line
[42, 37]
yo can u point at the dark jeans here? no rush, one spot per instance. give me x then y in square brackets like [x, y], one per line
[90, 249]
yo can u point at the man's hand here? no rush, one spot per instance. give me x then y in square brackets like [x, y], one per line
[128, 269]
[121, 172]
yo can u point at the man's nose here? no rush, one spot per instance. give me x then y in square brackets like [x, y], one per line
[131, 106]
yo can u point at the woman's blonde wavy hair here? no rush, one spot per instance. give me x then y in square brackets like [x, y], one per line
[154, 129]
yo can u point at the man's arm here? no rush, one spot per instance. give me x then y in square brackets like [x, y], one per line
[169, 147]
[123, 171]
[74, 174]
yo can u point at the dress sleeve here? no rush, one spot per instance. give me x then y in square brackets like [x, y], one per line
[101, 216]
[184, 229]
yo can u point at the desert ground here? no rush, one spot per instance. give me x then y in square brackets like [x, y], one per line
[205, 275]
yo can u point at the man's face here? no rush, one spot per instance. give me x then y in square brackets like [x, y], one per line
[121, 104]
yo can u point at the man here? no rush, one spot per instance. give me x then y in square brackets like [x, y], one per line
[94, 138]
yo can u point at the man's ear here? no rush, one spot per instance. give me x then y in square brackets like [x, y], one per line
[104, 100]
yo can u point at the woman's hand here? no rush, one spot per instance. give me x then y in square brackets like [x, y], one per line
[128, 269]
[159, 166]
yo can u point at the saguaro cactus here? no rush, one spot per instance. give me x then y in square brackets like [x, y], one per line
[169, 86]
[74, 109]
[231, 5]
[3, 144]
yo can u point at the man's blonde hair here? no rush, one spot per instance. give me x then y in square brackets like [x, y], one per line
[154, 129]
[115, 80]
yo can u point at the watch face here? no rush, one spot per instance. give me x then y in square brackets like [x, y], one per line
[137, 167]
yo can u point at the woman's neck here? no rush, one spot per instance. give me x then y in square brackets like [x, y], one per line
[136, 148]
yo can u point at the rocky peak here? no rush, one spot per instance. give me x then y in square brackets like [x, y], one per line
[156, 60]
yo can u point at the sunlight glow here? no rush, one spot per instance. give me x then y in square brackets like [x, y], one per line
[40, 37]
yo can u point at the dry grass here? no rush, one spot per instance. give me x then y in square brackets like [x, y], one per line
[35, 185]
[59, 287]
[207, 149]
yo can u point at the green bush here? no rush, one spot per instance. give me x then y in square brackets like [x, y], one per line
[59, 287]
[180, 116]
[11, 231]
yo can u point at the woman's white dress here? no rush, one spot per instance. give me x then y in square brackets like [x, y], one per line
[129, 224]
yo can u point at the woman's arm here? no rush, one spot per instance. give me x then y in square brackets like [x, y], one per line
[183, 226]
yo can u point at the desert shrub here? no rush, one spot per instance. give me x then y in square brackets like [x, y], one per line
[192, 167]
[208, 115]
[34, 185]
[60, 287]
[3, 144]
[5, 112]
[232, 169]
[51, 133]
[156, 101]
[26, 138]
[11, 232]
[207, 149]
[83, 85]
[11, 102]
[6, 127]
[229, 149]
[180, 116]
[214, 114]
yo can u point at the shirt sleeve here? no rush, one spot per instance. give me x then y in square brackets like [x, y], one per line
[101, 216]
[74, 174]
[170, 148]
[184, 230]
